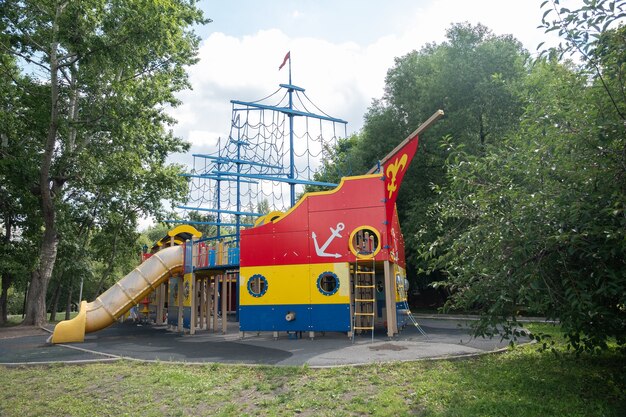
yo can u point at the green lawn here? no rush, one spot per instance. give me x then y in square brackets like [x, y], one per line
[521, 382]
[15, 319]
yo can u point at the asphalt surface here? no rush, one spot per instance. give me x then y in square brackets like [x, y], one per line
[445, 338]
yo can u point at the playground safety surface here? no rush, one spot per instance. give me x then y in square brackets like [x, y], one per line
[446, 338]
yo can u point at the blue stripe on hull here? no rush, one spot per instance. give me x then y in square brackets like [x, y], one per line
[316, 317]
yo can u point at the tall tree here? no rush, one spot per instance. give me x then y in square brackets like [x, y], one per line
[473, 76]
[541, 223]
[109, 67]
[19, 222]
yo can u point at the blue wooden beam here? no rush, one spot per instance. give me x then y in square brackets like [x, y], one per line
[241, 213]
[216, 177]
[207, 223]
[222, 160]
[277, 179]
[287, 110]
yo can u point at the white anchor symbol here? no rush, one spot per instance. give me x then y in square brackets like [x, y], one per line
[334, 233]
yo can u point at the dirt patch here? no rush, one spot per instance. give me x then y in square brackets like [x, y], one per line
[388, 346]
[20, 331]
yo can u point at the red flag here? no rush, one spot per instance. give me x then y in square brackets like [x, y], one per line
[288, 56]
[395, 164]
[394, 169]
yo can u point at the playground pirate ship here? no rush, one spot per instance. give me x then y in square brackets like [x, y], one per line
[332, 262]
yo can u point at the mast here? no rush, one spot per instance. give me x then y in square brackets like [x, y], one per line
[292, 174]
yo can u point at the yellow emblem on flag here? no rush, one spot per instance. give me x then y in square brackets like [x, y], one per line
[392, 171]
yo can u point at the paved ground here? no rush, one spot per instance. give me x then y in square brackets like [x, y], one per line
[445, 338]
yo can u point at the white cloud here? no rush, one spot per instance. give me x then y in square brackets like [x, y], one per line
[341, 78]
[204, 138]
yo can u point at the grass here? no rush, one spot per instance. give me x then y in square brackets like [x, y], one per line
[520, 382]
[15, 319]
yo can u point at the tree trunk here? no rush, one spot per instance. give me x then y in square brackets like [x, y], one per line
[48, 190]
[68, 306]
[7, 279]
[55, 302]
[36, 300]
[483, 135]
[25, 297]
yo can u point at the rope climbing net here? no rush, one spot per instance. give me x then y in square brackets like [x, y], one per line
[272, 152]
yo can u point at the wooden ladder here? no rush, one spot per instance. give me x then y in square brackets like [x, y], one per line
[364, 271]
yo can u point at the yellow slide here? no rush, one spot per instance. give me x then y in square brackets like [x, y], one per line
[118, 299]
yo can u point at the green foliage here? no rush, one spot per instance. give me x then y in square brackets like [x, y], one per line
[473, 76]
[539, 223]
[89, 115]
[336, 163]
[584, 31]
[581, 28]
[207, 230]
[156, 232]
[521, 207]
[15, 301]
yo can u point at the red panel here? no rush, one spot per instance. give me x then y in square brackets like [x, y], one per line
[256, 249]
[396, 242]
[355, 193]
[290, 248]
[297, 220]
[318, 229]
[333, 228]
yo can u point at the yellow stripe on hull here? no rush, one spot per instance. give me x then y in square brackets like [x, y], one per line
[295, 284]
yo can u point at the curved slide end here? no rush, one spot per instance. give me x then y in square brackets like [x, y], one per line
[118, 299]
[73, 330]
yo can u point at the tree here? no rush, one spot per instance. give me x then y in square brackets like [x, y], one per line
[19, 224]
[337, 163]
[473, 76]
[107, 80]
[541, 223]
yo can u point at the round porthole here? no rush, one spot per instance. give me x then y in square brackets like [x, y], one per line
[364, 242]
[257, 285]
[328, 283]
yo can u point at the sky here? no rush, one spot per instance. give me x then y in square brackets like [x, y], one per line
[341, 51]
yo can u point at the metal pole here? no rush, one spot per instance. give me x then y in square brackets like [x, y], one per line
[238, 216]
[291, 150]
[219, 212]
